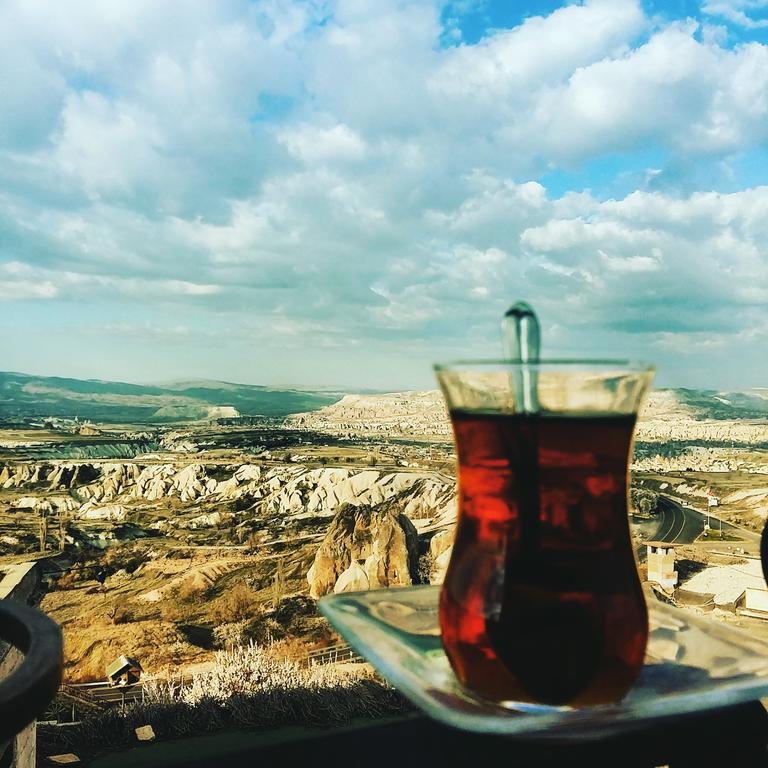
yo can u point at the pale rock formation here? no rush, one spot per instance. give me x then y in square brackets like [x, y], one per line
[154, 482]
[196, 412]
[755, 499]
[440, 548]
[440, 566]
[354, 579]
[69, 475]
[192, 578]
[117, 578]
[282, 491]
[657, 430]
[92, 511]
[14, 476]
[387, 543]
[664, 417]
[247, 472]
[207, 520]
[441, 541]
[187, 484]
[27, 502]
[179, 442]
[704, 459]
[63, 503]
[321, 491]
[409, 413]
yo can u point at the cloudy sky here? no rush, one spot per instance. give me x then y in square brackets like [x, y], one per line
[340, 193]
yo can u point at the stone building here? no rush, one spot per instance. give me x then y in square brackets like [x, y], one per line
[661, 564]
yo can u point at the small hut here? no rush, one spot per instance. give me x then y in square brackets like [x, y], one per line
[124, 671]
[753, 602]
[661, 564]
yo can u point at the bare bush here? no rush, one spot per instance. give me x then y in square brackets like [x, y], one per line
[247, 687]
[125, 557]
[190, 591]
[173, 611]
[119, 614]
[68, 581]
[288, 648]
[247, 669]
[426, 566]
[237, 604]
[231, 635]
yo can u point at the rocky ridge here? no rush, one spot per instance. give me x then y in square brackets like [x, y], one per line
[700, 459]
[400, 413]
[665, 416]
[108, 490]
[657, 430]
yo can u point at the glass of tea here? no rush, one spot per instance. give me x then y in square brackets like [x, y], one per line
[542, 601]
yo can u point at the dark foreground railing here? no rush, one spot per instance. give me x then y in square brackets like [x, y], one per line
[33, 683]
[732, 737]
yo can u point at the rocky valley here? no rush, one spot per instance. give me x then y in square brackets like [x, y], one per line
[150, 551]
[168, 542]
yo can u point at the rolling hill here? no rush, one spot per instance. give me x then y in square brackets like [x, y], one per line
[23, 395]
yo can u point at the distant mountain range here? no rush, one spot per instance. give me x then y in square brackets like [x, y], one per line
[708, 404]
[686, 413]
[22, 395]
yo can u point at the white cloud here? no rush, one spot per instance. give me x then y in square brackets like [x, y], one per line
[24, 290]
[18, 282]
[737, 11]
[312, 144]
[109, 147]
[25, 281]
[632, 263]
[673, 90]
[540, 50]
[354, 180]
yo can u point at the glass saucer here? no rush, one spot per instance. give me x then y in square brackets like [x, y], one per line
[692, 664]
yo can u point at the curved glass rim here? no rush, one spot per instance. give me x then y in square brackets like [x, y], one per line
[624, 365]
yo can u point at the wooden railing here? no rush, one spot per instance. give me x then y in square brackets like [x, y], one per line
[102, 694]
[330, 655]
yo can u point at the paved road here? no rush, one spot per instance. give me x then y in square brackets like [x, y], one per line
[676, 524]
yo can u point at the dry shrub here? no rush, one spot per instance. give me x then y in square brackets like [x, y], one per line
[126, 557]
[227, 636]
[247, 687]
[68, 581]
[236, 604]
[289, 648]
[426, 566]
[120, 614]
[172, 611]
[190, 591]
[264, 631]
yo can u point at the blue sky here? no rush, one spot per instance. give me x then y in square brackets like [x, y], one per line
[340, 193]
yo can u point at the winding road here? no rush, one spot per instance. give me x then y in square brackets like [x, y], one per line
[676, 524]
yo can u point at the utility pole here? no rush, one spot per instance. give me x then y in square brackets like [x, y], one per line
[43, 531]
[62, 529]
[279, 585]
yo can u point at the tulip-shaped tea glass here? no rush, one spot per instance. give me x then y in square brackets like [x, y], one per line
[542, 600]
